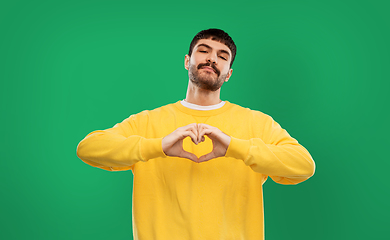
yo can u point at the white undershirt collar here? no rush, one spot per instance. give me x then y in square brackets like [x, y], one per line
[202, 108]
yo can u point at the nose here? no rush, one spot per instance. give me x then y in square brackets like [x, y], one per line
[212, 58]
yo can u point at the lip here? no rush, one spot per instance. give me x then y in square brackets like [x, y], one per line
[209, 69]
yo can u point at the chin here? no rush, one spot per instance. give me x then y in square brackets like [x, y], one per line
[209, 85]
[207, 77]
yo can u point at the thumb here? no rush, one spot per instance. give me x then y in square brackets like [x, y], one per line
[189, 156]
[206, 157]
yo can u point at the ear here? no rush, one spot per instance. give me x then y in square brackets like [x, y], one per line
[187, 62]
[229, 74]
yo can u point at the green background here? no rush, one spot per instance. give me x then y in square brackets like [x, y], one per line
[319, 68]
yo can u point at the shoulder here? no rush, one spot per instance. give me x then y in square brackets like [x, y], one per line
[145, 114]
[141, 120]
[248, 112]
[163, 110]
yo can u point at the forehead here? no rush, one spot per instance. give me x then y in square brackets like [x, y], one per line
[214, 45]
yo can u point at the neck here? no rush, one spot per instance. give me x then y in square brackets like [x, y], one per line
[198, 96]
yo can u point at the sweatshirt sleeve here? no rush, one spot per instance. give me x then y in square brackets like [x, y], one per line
[119, 147]
[275, 154]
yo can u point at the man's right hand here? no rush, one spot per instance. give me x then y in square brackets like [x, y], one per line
[172, 144]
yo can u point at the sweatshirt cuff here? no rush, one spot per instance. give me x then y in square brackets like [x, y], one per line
[151, 148]
[238, 148]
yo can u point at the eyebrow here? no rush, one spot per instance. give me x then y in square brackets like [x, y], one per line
[207, 46]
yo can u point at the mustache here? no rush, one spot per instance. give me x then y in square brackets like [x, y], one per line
[209, 65]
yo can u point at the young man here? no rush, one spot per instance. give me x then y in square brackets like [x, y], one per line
[199, 164]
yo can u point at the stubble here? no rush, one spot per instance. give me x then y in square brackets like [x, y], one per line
[205, 80]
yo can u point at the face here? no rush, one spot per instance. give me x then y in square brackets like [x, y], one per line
[209, 65]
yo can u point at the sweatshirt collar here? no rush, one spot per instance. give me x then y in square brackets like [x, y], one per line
[215, 109]
[202, 108]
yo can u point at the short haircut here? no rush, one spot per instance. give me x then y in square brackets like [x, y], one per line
[216, 35]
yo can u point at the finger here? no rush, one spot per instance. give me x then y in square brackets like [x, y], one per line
[201, 127]
[206, 125]
[193, 127]
[205, 132]
[195, 132]
[190, 126]
[192, 136]
[198, 129]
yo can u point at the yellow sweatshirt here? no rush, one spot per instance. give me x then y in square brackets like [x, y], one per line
[177, 199]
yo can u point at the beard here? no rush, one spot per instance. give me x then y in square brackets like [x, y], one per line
[206, 80]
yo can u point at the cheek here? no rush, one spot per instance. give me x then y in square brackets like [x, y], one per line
[225, 69]
[193, 62]
[198, 58]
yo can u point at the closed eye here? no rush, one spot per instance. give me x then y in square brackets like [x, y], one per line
[222, 57]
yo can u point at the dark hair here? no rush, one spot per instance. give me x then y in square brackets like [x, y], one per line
[217, 35]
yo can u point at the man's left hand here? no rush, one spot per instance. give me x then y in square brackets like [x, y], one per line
[220, 141]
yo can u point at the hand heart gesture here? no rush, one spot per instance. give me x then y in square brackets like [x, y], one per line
[172, 144]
